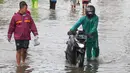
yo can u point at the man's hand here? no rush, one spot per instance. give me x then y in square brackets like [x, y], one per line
[71, 32]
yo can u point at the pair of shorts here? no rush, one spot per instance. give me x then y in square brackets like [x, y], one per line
[21, 44]
[85, 2]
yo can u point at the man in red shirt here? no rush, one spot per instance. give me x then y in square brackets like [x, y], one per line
[22, 25]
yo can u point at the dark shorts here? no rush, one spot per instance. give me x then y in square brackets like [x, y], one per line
[85, 2]
[22, 44]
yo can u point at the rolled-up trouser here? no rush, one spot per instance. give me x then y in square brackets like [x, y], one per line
[92, 45]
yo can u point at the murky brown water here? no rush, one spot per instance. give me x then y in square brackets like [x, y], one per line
[114, 36]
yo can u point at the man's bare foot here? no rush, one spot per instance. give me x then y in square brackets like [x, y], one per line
[23, 64]
[18, 65]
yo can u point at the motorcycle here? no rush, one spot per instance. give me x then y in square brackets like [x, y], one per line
[75, 51]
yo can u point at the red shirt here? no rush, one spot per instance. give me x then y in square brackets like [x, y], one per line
[22, 26]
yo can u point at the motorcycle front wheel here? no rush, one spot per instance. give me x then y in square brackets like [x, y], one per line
[80, 60]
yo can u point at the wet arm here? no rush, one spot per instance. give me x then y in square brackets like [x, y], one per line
[11, 28]
[33, 27]
[78, 23]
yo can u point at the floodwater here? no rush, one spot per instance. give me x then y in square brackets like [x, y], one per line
[49, 57]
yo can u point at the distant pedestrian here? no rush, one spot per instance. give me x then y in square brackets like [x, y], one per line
[73, 4]
[85, 4]
[53, 4]
[34, 3]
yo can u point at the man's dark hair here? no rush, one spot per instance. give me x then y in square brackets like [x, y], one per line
[22, 4]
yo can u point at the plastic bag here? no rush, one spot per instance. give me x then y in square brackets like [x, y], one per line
[36, 42]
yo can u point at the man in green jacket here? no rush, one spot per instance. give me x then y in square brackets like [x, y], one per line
[89, 24]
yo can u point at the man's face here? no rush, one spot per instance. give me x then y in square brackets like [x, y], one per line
[24, 9]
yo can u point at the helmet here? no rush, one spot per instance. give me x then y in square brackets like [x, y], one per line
[90, 10]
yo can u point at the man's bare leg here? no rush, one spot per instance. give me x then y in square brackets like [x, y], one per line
[18, 57]
[24, 55]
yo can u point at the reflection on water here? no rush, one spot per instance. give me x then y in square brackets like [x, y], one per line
[1, 1]
[66, 0]
[23, 69]
[52, 15]
[91, 67]
[35, 14]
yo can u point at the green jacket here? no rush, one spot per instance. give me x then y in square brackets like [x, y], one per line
[89, 26]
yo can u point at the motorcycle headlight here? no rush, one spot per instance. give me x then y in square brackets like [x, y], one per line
[81, 45]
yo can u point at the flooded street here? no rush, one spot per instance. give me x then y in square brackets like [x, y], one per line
[53, 25]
